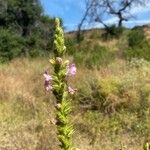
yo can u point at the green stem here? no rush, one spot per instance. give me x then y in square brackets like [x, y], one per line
[63, 107]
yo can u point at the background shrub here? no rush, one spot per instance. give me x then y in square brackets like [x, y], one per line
[139, 46]
[11, 45]
[113, 32]
[70, 45]
[99, 55]
[113, 93]
[136, 38]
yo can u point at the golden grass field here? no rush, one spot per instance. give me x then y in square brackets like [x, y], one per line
[27, 111]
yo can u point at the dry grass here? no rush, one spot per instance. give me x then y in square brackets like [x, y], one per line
[26, 110]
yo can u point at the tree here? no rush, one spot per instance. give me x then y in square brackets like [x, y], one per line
[2, 13]
[26, 18]
[88, 7]
[10, 45]
[121, 8]
[21, 14]
[27, 12]
[99, 10]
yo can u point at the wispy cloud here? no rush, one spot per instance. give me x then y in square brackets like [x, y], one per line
[138, 22]
[71, 12]
[141, 9]
[137, 9]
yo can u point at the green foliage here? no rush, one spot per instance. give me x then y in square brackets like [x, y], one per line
[25, 19]
[11, 45]
[99, 55]
[136, 37]
[139, 46]
[43, 34]
[113, 32]
[70, 45]
[111, 94]
[21, 14]
[89, 54]
[146, 146]
[116, 102]
[139, 52]
[79, 36]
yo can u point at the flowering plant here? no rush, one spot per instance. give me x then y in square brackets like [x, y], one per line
[58, 84]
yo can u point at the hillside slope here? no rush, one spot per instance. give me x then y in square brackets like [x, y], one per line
[111, 108]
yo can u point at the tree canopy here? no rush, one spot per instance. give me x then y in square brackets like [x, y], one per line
[26, 20]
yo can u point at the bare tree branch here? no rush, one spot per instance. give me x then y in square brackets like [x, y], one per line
[118, 8]
[99, 10]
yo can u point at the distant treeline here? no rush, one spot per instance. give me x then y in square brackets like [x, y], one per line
[24, 29]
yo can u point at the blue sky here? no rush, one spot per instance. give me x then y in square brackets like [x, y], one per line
[71, 11]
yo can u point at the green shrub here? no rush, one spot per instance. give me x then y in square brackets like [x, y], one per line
[139, 46]
[79, 36]
[79, 57]
[129, 92]
[113, 32]
[90, 54]
[139, 52]
[93, 56]
[136, 38]
[70, 45]
[88, 95]
[37, 46]
[10, 45]
[102, 95]
[99, 55]
[109, 89]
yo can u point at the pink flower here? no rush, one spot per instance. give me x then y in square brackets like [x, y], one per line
[48, 88]
[47, 77]
[71, 90]
[47, 84]
[71, 70]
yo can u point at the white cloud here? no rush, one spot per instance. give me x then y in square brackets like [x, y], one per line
[138, 22]
[137, 9]
[111, 20]
[141, 9]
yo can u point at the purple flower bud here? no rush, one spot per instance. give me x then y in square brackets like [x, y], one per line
[71, 70]
[71, 90]
[48, 88]
[47, 77]
[47, 84]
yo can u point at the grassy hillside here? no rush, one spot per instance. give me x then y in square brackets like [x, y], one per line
[111, 108]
